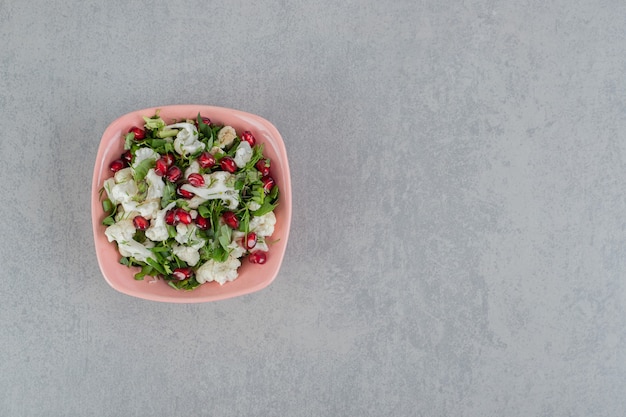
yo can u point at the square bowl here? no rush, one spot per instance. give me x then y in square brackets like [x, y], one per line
[252, 277]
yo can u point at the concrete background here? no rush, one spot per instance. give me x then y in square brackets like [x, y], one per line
[458, 237]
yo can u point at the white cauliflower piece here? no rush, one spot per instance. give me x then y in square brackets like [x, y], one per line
[122, 232]
[186, 254]
[186, 234]
[157, 231]
[156, 185]
[186, 141]
[243, 154]
[235, 247]
[123, 175]
[263, 225]
[193, 168]
[218, 271]
[142, 154]
[147, 209]
[226, 136]
[218, 185]
[123, 192]
[215, 150]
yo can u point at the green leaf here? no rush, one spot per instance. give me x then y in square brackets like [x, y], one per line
[268, 205]
[225, 236]
[107, 205]
[169, 194]
[154, 122]
[141, 170]
[108, 221]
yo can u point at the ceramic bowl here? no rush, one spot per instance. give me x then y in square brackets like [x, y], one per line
[252, 277]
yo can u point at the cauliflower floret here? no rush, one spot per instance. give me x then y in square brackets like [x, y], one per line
[123, 192]
[263, 225]
[254, 206]
[157, 231]
[156, 185]
[186, 234]
[123, 175]
[122, 232]
[218, 271]
[147, 209]
[226, 136]
[193, 168]
[215, 150]
[142, 154]
[186, 141]
[235, 248]
[186, 254]
[218, 185]
[243, 154]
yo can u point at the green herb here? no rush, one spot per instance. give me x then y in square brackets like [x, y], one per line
[141, 169]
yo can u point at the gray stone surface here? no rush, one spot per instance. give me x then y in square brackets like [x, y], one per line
[458, 236]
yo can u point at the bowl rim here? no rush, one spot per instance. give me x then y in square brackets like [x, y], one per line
[99, 174]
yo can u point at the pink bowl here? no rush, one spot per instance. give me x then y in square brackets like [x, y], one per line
[251, 277]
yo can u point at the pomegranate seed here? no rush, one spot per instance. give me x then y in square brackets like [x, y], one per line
[268, 183]
[173, 174]
[182, 273]
[249, 241]
[127, 156]
[161, 167]
[231, 219]
[264, 167]
[206, 160]
[171, 218]
[248, 137]
[228, 164]
[169, 159]
[257, 257]
[196, 180]
[139, 133]
[183, 216]
[117, 165]
[202, 222]
[141, 223]
[184, 193]
[206, 120]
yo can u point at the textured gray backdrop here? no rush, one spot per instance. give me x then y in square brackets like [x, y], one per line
[458, 236]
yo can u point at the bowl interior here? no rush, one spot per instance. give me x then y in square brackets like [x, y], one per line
[251, 277]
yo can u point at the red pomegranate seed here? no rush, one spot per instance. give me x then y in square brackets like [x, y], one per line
[171, 218]
[206, 120]
[139, 133]
[202, 222]
[231, 219]
[248, 137]
[196, 180]
[117, 165]
[141, 223]
[161, 167]
[173, 174]
[228, 164]
[182, 273]
[169, 159]
[264, 167]
[183, 216]
[206, 160]
[257, 257]
[127, 156]
[268, 183]
[249, 241]
[184, 193]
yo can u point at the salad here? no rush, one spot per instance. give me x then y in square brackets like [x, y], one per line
[189, 200]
